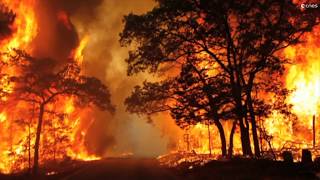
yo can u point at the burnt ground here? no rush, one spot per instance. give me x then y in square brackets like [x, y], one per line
[134, 168]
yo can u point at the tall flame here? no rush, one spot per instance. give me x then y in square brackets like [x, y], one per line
[24, 30]
[77, 54]
[304, 76]
[303, 79]
[60, 138]
[78, 135]
[25, 27]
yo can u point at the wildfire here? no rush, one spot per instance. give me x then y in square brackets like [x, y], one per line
[61, 138]
[304, 76]
[303, 79]
[79, 152]
[77, 54]
[65, 132]
[24, 30]
[25, 27]
[3, 117]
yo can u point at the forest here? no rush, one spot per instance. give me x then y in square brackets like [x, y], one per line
[181, 88]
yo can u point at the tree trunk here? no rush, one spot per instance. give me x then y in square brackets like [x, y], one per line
[29, 147]
[233, 129]
[254, 126]
[222, 138]
[245, 138]
[238, 99]
[209, 138]
[244, 130]
[37, 142]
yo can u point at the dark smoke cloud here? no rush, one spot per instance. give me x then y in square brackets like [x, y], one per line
[57, 36]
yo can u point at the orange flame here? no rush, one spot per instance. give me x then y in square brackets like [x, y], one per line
[25, 26]
[77, 54]
[61, 137]
[303, 78]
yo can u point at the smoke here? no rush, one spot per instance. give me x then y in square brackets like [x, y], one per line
[104, 58]
[61, 26]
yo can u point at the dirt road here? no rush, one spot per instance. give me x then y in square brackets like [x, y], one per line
[122, 169]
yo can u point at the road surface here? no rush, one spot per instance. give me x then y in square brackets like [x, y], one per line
[122, 169]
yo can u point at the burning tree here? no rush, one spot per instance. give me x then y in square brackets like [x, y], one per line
[6, 19]
[44, 102]
[41, 83]
[242, 40]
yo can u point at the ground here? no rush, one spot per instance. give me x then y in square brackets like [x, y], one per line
[137, 168]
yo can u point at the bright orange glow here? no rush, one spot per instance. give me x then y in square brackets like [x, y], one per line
[63, 133]
[3, 117]
[25, 25]
[303, 79]
[77, 54]
[24, 30]
[66, 124]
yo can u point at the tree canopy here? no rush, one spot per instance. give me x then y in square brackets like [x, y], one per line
[41, 82]
[242, 40]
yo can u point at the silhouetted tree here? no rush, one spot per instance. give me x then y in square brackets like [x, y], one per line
[272, 98]
[191, 97]
[202, 98]
[240, 38]
[40, 82]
